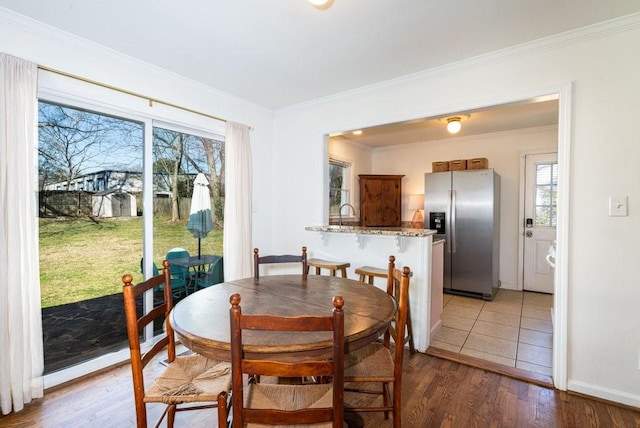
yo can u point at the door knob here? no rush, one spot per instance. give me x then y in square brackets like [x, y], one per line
[529, 234]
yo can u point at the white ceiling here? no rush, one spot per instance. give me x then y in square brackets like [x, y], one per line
[277, 53]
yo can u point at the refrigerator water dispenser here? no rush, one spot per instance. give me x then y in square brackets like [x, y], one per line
[436, 222]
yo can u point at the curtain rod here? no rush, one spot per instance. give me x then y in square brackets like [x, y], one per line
[125, 91]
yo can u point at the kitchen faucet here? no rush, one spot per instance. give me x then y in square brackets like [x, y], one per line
[340, 211]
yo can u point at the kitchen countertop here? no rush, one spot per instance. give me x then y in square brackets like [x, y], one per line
[389, 231]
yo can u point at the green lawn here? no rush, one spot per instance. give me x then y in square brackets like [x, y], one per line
[81, 258]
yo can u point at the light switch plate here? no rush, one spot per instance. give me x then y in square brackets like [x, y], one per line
[617, 206]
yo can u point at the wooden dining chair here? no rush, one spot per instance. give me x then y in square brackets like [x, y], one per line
[275, 259]
[187, 379]
[379, 362]
[280, 404]
[371, 272]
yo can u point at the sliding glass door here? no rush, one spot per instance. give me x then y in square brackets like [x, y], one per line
[90, 178]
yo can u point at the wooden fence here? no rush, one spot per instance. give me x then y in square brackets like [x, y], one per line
[62, 203]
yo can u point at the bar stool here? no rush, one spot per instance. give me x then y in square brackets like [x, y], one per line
[372, 272]
[328, 264]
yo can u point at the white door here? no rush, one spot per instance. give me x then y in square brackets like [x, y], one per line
[541, 186]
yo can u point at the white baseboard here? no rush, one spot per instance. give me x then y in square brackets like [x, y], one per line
[604, 393]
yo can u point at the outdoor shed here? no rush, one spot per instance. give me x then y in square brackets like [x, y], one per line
[114, 203]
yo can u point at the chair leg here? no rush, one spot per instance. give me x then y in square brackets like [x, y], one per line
[171, 415]
[397, 404]
[385, 399]
[412, 348]
[223, 411]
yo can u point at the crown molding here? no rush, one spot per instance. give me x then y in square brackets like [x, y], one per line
[594, 31]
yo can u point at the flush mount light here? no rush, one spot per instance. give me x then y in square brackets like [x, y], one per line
[321, 4]
[453, 123]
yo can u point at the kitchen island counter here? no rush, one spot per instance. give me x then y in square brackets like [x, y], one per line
[372, 246]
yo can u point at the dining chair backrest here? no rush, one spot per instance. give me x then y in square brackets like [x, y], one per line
[275, 259]
[136, 324]
[255, 365]
[398, 289]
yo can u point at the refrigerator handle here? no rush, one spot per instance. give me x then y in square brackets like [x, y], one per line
[452, 221]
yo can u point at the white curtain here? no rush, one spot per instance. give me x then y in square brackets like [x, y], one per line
[21, 349]
[238, 254]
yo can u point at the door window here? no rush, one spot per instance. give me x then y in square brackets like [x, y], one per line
[546, 194]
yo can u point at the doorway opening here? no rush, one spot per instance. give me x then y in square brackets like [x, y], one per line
[380, 149]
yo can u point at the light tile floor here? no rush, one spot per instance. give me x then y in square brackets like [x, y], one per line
[514, 329]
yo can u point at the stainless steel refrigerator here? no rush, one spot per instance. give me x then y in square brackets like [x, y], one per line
[464, 208]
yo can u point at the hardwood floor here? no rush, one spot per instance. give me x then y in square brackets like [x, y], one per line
[437, 393]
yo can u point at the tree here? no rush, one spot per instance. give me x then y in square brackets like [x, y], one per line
[178, 157]
[214, 151]
[72, 141]
[168, 150]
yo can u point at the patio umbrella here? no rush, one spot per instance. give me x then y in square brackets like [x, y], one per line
[200, 223]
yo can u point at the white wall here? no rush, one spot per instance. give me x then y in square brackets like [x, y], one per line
[603, 291]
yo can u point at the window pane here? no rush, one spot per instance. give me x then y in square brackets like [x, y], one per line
[543, 216]
[543, 174]
[546, 194]
[177, 159]
[339, 193]
[543, 196]
[90, 178]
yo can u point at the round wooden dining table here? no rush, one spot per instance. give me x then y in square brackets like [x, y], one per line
[201, 320]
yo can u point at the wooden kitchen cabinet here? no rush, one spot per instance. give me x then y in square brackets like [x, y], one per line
[380, 200]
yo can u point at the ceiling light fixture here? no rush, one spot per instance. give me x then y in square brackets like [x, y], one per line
[321, 4]
[453, 122]
[453, 125]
